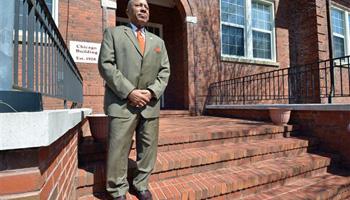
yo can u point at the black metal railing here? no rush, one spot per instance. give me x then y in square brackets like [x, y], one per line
[41, 60]
[310, 83]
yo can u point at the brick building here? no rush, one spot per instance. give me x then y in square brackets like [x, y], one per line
[210, 41]
[51, 154]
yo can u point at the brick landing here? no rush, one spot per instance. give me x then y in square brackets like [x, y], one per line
[221, 158]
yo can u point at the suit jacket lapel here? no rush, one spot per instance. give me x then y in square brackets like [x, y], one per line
[148, 42]
[132, 37]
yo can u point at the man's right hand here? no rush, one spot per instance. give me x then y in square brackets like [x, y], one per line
[138, 98]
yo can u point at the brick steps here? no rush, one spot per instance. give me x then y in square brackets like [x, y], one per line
[325, 186]
[210, 132]
[205, 136]
[216, 158]
[238, 178]
[174, 113]
[194, 160]
[227, 154]
[238, 181]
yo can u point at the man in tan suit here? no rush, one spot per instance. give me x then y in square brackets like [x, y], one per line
[134, 63]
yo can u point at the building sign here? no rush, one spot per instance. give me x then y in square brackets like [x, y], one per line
[84, 52]
[111, 4]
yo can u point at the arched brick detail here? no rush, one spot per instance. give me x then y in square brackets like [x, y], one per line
[184, 8]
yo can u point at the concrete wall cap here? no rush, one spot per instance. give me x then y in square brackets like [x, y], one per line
[37, 129]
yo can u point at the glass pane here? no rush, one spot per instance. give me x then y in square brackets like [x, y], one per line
[232, 11]
[262, 16]
[338, 47]
[122, 23]
[261, 45]
[232, 41]
[337, 21]
[153, 30]
[49, 5]
[21, 12]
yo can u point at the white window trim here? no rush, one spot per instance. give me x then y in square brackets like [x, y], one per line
[55, 10]
[150, 24]
[248, 33]
[346, 25]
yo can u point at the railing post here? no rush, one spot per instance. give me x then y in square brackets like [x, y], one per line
[7, 15]
[331, 92]
[12, 100]
[243, 90]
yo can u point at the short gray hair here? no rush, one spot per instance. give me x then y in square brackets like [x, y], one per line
[129, 3]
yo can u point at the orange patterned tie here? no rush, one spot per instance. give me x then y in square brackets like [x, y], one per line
[141, 41]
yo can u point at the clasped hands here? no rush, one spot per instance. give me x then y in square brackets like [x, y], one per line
[139, 98]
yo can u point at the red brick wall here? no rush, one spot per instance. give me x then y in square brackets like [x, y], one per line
[330, 127]
[82, 21]
[80, 24]
[194, 49]
[303, 32]
[207, 62]
[41, 173]
[173, 27]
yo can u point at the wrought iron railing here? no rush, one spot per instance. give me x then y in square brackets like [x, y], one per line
[310, 83]
[41, 62]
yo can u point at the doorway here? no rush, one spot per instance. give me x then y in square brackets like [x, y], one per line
[165, 19]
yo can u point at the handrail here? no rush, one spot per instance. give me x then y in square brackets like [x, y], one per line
[308, 83]
[41, 60]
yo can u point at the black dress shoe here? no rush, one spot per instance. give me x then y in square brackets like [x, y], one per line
[144, 195]
[123, 197]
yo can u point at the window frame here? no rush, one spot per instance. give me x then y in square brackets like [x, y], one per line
[346, 25]
[55, 9]
[248, 33]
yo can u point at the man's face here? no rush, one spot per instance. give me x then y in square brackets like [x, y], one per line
[138, 12]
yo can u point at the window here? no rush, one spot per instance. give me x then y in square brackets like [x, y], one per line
[247, 29]
[340, 20]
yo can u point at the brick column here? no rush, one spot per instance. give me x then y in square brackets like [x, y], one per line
[43, 172]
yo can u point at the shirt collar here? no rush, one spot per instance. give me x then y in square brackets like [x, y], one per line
[134, 29]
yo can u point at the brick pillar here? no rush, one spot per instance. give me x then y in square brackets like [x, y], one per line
[41, 173]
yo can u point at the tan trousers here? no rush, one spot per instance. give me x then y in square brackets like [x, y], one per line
[120, 137]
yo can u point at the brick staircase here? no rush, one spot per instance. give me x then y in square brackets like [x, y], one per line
[221, 158]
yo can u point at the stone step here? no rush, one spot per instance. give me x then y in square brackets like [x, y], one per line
[325, 186]
[207, 131]
[236, 181]
[195, 160]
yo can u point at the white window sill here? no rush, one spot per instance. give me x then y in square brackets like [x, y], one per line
[250, 61]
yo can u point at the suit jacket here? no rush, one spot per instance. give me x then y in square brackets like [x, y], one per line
[124, 69]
